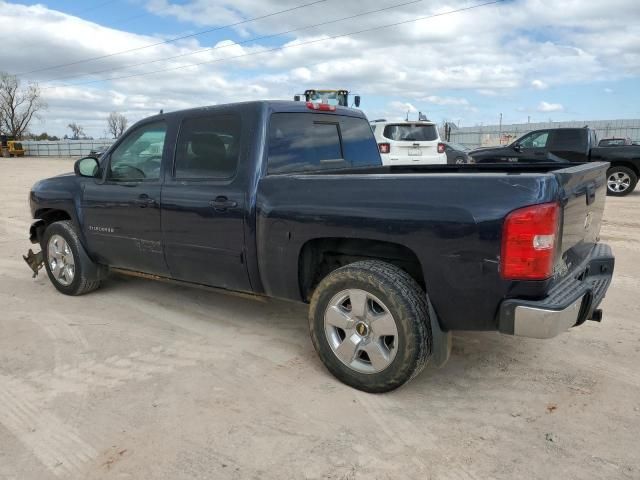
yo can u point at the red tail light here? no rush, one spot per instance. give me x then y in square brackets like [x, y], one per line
[323, 107]
[441, 147]
[529, 242]
[384, 147]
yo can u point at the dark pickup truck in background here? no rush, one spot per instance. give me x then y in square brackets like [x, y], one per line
[290, 200]
[575, 145]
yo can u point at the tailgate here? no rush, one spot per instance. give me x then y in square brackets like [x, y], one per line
[583, 193]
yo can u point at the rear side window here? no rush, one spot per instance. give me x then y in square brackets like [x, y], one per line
[208, 147]
[569, 140]
[359, 144]
[305, 142]
[410, 133]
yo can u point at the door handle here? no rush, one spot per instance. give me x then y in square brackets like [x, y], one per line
[222, 203]
[144, 201]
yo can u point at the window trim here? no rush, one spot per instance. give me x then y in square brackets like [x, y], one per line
[108, 162]
[221, 180]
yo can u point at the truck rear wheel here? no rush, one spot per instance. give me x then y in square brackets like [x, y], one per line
[370, 325]
[621, 181]
[65, 266]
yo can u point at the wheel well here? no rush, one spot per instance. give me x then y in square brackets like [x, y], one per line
[48, 216]
[321, 256]
[630, 165]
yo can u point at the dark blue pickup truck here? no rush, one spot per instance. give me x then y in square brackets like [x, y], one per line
[290, 200]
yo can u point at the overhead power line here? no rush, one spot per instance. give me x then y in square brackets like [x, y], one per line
[284, 47]
[264, 37]
[95, 7]
[170, 40]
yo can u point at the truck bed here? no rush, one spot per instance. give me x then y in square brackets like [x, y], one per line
[450, 215]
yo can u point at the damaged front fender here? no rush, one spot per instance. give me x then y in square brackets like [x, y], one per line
[36, 230]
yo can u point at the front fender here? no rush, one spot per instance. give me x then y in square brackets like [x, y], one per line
[36, 230]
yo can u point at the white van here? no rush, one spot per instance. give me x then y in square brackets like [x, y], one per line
[409, 143]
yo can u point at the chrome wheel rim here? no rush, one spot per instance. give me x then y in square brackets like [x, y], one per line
[618, 182]
[60, 260]
[361, 331]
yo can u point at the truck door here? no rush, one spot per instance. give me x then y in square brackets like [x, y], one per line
[532, 147]
[204, 203]
[122, 212]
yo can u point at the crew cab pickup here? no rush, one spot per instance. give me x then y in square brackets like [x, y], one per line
[291, 200]
[574, 145]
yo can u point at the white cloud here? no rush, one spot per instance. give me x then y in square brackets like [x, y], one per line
[492, 51]
[539, 84]
[550, 107]
[446, 100]
[402, 107]
[608, 90]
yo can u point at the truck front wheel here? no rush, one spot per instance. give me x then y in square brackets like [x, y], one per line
[621, 181]
[370, 325]
[66, 267]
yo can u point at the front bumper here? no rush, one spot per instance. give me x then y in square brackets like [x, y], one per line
[571, 302]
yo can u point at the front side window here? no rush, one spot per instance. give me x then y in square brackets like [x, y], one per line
[535, 140]
[139, 156]
[208, 147]
[302, 142]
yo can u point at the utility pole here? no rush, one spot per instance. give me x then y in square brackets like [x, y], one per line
[528, 118]
[500, 131]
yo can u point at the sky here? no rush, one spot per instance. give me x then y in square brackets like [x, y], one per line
[455, 60]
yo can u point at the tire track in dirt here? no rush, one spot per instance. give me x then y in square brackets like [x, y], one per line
[58, 446]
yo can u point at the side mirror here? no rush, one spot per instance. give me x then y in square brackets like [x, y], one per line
[517, 147]
[296, 98]
[356, 100]
[87, 167]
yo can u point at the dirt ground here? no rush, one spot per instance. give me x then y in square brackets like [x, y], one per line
[149, 380]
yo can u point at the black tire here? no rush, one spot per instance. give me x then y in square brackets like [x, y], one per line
[460, 160]
[404, 300]
[80, 284]
[615, 171]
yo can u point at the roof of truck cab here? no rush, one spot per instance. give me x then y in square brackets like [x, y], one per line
[274, 106]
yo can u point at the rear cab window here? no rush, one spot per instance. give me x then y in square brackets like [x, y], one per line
[308, 142]
[411, 132]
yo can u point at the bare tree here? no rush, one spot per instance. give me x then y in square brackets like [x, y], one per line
[18, 106]
[116, 124]
[77, 131]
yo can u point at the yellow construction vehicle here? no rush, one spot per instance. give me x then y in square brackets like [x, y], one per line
[15, 148]
[9, 147]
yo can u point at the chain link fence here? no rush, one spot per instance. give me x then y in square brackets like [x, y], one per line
[65, 148]
[494, 135]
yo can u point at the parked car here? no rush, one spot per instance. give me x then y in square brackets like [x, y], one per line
[456, 153]
[409, 143]
[570, 145]
[614, 142]
[296, 204]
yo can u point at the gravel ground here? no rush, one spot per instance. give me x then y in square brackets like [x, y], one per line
[146, 379]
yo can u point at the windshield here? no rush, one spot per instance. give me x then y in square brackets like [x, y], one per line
[612, 142]
[457, 146]
[411, 132]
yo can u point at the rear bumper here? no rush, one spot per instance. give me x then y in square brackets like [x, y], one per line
[571, 302]
[392, 159]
